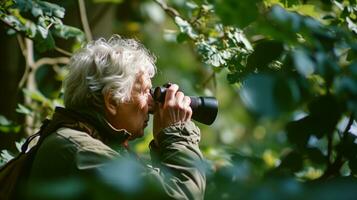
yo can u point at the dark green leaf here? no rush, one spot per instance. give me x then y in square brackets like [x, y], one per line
[264, 53]
[240, 13]
[352, 55]
[269, 95]
[325, 112]
[287, 21]
[326, 66]
[299, 131]
[292, 161]
[316, 156]
[181, 37]
[348, 147]
[353, 165]
[46, 44]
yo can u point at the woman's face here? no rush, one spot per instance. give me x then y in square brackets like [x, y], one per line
[133, 116]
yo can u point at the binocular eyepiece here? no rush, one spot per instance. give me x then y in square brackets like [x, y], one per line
[204, 109]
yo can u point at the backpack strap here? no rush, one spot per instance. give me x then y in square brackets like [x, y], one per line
[25, 146]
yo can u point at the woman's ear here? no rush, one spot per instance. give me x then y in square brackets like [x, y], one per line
[110, 104]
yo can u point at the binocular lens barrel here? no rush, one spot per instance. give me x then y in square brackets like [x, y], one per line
[204, 109]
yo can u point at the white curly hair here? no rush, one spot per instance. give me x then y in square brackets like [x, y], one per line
[104, 66]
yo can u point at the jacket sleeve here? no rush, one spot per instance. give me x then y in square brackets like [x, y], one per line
[178, 162]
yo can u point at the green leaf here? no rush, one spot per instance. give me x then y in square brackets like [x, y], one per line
[5, 156]
[298, 132]
[44, 44]
[264, 53]
[4, 121]
[325, 112]
[351, 25]
[316, 156]
[36, 11]
[326, 66]
[181, 37]
[43, 31]
[67, 32]
[346, 86]
[7, 126]
[352, 55]
[51, 9]
[185, 27]
[269, 95]
[240, 13]
[353, 165]
[304, 65]
[23, 109]
[288, 21]
[348, 147]
[35, 95]
[290, 3]
[292, 161]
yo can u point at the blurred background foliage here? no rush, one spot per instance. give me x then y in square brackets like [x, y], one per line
[284, 72]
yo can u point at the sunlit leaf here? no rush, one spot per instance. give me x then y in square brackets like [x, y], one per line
[185, 27]
[67, 32]
[7, 126]
[23, 110]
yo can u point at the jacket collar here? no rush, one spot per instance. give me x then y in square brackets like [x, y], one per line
[93, 123]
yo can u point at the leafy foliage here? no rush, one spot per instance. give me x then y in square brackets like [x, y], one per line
[293, 65]
[297, 66]
[39, 20]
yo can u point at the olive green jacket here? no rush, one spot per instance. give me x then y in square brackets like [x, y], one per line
[86, 150]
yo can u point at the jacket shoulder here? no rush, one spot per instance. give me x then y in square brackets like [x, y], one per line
[84, 142]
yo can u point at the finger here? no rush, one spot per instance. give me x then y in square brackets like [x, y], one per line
[179, 99]
[170, 93]
[188, 110]
[180, 112]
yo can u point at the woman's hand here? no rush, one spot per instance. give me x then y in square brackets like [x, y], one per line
[175, 109]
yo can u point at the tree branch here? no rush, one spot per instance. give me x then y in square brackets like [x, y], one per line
[329, 148]
[334, 168]
[84, 19]
[169, 10]
[64, 52]
[27, 66]
[30, 81]
[50, 61]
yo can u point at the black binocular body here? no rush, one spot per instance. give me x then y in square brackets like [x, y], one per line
[204, 109]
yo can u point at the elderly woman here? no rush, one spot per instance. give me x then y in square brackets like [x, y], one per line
[107, 103]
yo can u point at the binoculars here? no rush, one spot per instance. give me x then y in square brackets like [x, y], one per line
[204, 109]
